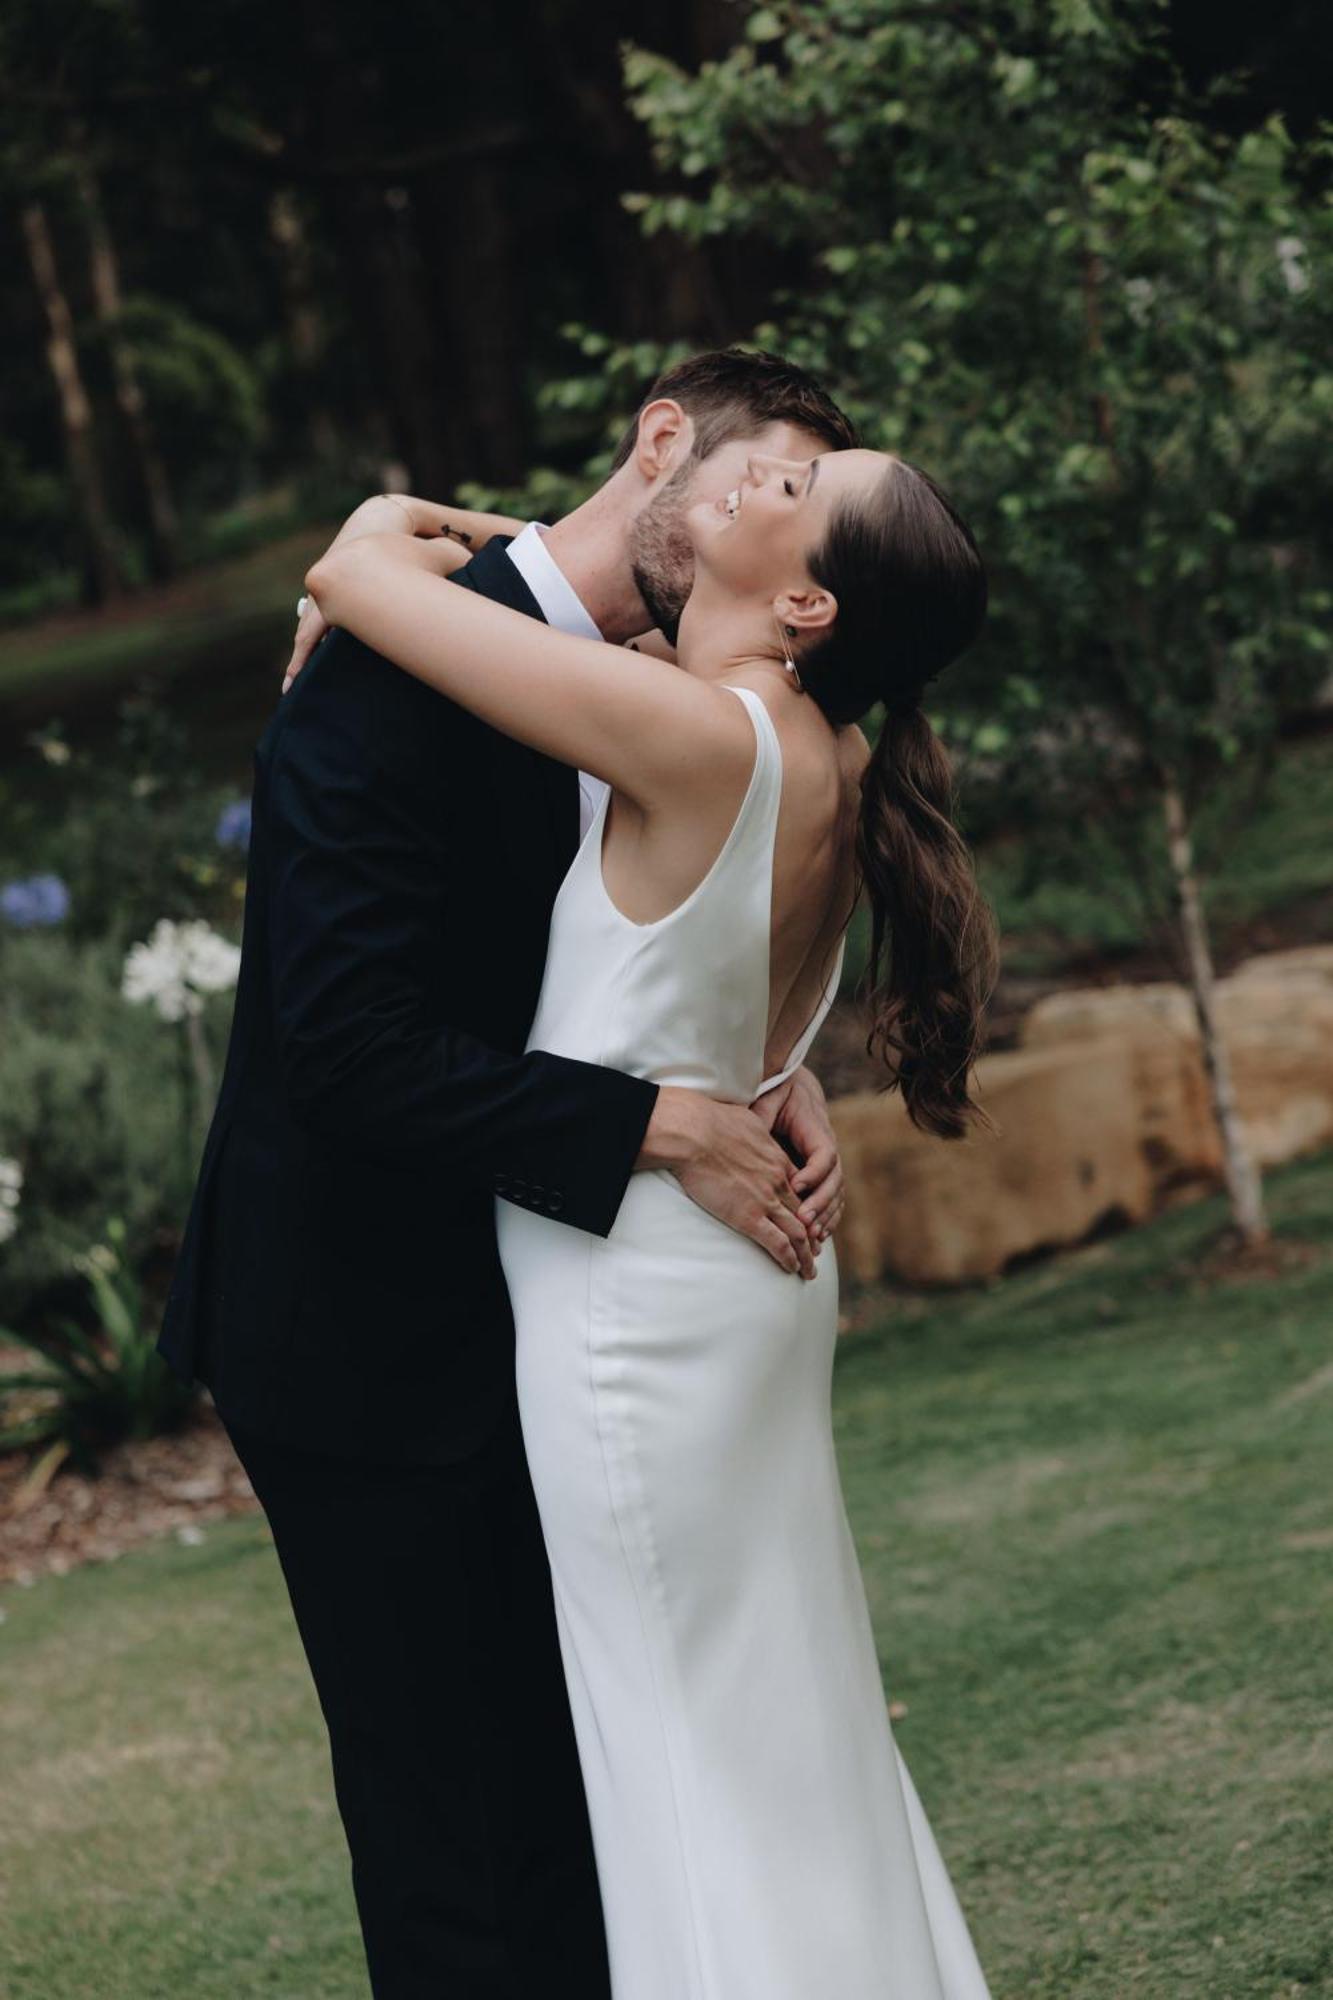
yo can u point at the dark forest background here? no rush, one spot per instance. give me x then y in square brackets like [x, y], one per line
[263, 255]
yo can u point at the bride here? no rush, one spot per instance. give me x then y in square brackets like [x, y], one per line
[758, 1836]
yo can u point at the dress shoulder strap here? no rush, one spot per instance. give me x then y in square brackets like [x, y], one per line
[765, 794]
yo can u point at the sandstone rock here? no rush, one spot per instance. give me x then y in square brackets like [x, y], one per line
[1104, 1108]
[1303, 961]
[935, 1211]
[1275, 1013]
[1155, 1025]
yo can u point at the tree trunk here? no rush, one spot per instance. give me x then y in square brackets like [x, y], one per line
[372, 225]
[652, 288]
[1242, 1180]
[76, 414]
[104, 278]
[386, 282]
[466, 241]
[305, 322]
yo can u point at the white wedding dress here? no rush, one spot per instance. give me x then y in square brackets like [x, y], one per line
[756, 1831]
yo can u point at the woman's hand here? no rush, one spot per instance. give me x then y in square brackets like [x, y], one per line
[310, 629]
[797, 1114]
[462, 528]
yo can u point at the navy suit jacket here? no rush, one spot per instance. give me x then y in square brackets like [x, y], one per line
[338, 1284]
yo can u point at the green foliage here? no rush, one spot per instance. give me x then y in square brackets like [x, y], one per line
[93, 1388]
[598, 400]
[91, 1097]
[100, 1103]
[32, 503]
[1100, 889]
[1022, 260]
[127, 824]
[206, 397]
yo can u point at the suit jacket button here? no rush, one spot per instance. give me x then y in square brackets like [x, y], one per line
[518, 1187]
[538, 1192]
[501, 1183]
[555, 1201]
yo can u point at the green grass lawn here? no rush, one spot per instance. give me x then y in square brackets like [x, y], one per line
[210, 646]
[211, 612]
[1094, 1508]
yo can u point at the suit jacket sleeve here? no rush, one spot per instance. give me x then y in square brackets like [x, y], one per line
[357, 884]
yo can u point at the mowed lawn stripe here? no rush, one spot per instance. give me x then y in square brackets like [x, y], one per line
[1093, 1506]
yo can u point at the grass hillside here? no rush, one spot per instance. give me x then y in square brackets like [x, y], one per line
[1092, 1504]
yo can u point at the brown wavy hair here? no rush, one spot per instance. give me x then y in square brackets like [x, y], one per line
[911, 592]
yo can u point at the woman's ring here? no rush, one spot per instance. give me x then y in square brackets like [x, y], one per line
[301, 604]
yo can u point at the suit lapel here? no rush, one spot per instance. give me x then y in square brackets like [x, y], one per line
[492, 575]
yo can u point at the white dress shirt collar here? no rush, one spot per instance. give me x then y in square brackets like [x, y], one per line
[561, 607]
[560, 603]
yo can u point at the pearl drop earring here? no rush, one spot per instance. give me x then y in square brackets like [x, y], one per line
[787, 660]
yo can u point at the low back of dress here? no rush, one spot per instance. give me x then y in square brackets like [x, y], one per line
[683, 1000]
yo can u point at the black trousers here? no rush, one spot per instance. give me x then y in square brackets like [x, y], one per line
[423, 1599]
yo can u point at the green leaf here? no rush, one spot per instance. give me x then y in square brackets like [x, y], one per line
[765, 26]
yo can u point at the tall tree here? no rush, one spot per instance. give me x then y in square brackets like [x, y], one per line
[105, 291]
[76, 411]
[306, 323]
[1026, 260]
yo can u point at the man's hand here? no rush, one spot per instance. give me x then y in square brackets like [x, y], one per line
[656, 643]
[797, 1113]
[727, 1161]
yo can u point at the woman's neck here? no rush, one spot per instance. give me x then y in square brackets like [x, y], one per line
[721, 635]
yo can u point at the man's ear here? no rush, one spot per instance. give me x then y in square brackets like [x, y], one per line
[812, 609]
[665, 436]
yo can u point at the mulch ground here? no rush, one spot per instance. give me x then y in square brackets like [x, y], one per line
[144, 1488]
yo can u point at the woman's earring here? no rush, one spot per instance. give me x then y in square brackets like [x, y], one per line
[787, 660]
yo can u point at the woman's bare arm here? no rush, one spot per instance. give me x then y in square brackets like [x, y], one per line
[652, 733]
[654, 643]
[442, 517]
[459, 532]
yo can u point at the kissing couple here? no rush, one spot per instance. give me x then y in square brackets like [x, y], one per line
[510, 1263]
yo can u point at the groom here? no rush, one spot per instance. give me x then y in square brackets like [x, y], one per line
[339, 1286]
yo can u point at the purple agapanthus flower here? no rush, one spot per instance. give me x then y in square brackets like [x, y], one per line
[233, 827]
[36, 900]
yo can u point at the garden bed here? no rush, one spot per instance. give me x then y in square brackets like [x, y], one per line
[145, 1488]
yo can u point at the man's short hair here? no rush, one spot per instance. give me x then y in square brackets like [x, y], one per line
[737, 392]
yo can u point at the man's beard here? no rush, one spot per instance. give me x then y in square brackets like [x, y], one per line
[661, 554]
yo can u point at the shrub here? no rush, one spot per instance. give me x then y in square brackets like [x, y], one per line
[94, 1387]
[92, 1099]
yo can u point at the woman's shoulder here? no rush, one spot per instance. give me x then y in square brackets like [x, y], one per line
[824, 761]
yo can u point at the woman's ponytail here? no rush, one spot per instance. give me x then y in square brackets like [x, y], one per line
[911, 591]
[934, 952]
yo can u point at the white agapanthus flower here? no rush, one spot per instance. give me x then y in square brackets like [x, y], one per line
[11, 1190]
[1290, 261]
[178, 965]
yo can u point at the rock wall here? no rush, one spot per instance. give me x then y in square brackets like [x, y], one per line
[1104, 1109]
